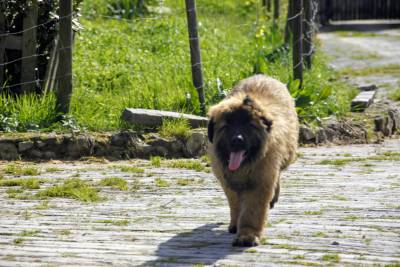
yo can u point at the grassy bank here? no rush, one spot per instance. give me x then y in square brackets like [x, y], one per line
[145, 63]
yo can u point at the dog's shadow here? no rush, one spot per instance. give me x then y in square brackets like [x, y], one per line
[204, 245]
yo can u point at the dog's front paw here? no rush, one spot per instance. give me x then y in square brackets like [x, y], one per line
[246, 241]
[232, 229]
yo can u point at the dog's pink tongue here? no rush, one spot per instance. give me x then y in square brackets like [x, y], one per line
[235, 159]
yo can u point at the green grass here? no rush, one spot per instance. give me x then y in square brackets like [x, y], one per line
[395, 95]
[17, 169]
[131, 169]
[114, 222]
[378, 70]
[331, 257]
[313, 212]
[18, 241]
[351, 218]
[319, 234]
[161, 182]
[155, 161]
[72, 188]
[54, 169]
[345, 33]
[175, 128]
[146, 63]
[115, 182]
[285, 246]
[24, 183]
[250, 250]
[340, 197]
[26, 233]
[190, 164]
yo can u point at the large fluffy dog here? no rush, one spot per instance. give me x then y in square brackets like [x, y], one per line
[253, 136]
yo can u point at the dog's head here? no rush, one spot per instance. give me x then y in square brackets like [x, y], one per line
[239, 132]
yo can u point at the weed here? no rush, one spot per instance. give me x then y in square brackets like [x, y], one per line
[175, 128]
[377, 70]
[250, 250]
[340, 197]
[72, 188]
[18, 241]
[24, 183]
[26, 233]
[155, 161]
[43, 205]
[131, 169]
[114, 222]
[331, 257]
[184, 181]
[186, 164]
[63, 232]
[285, 246]
[16, 169]
[135, 185]
[161, 182]
[351, 218]
[299, 257]
[263, 241]
[313, 212]
[54, 169]
[395, 94]
[115, 182]
[319, 234]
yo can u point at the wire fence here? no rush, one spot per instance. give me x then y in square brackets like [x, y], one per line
[19, 50]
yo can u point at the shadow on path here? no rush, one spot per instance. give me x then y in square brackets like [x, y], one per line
[204, 245]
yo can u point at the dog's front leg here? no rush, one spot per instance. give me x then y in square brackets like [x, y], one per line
[253, 210]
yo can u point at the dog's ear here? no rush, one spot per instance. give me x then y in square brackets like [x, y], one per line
[267, 122]
[211, 124]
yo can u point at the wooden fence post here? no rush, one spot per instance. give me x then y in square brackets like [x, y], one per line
[276, 11]
[298, 41]
[2, 50]
[64, 72]
[29, 43]
[195, 54]
[289, 23]
[308, 33]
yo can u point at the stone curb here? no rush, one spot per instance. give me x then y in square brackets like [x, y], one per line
[121, 145]
[130, 144]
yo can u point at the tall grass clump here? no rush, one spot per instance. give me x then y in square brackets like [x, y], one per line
[27, 111]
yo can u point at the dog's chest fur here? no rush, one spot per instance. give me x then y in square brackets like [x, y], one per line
[241, 180]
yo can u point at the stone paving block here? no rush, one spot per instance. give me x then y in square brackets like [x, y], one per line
[362, 101]
[152, 118]
[339, 203]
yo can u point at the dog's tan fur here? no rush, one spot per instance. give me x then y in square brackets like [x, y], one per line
[249, 207]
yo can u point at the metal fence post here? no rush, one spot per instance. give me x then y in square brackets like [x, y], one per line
[308, 47]
[298, 41]
[64, 72]
[2, 49]
[195, 54]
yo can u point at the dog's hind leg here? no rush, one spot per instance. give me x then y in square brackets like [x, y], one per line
[276, 194]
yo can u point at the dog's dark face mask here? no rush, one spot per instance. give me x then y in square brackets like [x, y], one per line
[239, 139]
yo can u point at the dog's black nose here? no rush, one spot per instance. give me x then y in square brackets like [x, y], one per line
[237, 141]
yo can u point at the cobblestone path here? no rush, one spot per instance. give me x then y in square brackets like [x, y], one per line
[338, 206]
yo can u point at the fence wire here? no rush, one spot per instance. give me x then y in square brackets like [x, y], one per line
[178, 13]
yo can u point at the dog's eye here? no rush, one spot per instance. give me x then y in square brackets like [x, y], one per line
[223, 127]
